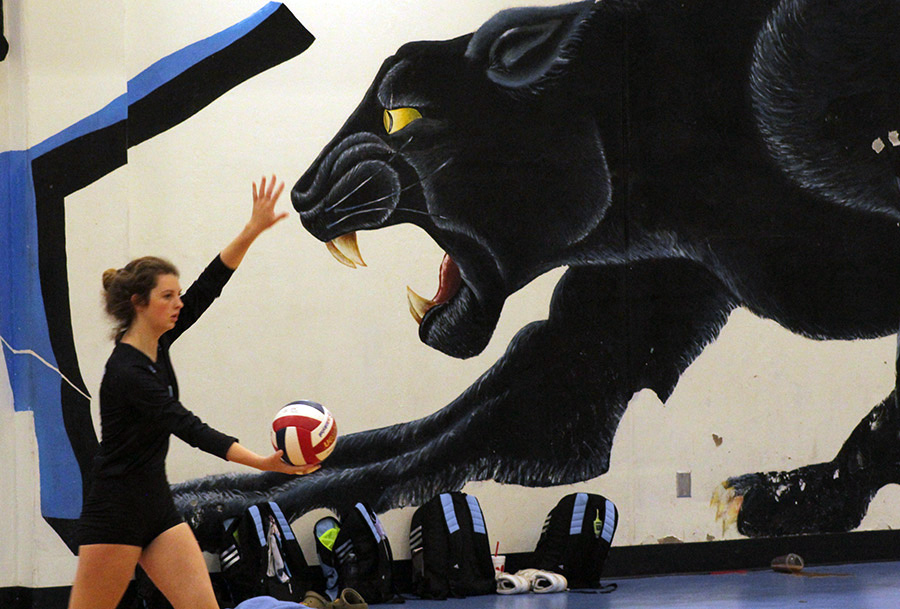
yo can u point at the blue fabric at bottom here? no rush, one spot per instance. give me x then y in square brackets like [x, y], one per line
[267, 602]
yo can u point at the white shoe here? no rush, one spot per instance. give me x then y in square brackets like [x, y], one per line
[507, 583]
[542, 582]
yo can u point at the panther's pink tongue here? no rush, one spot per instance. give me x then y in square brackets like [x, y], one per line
[449, 284]
[450, 281]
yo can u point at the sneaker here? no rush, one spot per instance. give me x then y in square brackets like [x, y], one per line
[314, 600]
[350, 599]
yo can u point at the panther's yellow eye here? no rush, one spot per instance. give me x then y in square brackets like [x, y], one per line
[398, 118]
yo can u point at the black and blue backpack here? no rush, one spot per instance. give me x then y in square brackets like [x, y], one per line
[576, 538]
[262, 556]
[359, 553]
[451, 554]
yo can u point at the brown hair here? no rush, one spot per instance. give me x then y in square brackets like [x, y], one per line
[137, 278]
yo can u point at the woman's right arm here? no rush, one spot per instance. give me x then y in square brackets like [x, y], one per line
[207, 287]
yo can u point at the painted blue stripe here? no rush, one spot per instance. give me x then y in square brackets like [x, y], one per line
[257, 521]
[578, 509]
[114, 112]
[282, 521]
[477, 516]
[23, 323]
[154, 77]
[171, 66]
[609, 522]
[449, 512]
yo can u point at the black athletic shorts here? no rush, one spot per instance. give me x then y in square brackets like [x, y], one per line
[131, 510]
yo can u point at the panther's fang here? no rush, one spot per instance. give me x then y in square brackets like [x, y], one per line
[346, 251]
[418, 306]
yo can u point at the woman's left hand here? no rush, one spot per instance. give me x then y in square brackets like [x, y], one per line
[274, 463]
[264, 199]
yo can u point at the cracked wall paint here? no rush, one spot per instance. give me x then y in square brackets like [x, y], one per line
[30, 352]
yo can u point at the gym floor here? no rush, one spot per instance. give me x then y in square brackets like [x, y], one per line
[853, 586]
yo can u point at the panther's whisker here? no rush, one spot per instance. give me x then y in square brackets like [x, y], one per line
[425, 213]
[404, 189]
[363, 211]
[368, 179]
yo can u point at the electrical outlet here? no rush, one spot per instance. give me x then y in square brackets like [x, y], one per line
[682, 484]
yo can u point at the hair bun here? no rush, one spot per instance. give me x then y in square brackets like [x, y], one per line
[108, 276]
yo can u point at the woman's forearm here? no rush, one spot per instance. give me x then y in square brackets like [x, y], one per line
[238, 453]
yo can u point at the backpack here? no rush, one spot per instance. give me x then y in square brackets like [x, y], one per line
[262, 557]
[325, 532]
[451, 555]
[576, 538]
[362, 556]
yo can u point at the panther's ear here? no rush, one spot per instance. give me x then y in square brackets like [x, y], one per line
[519, 48]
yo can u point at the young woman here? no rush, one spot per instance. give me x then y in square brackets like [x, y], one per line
[129, 516]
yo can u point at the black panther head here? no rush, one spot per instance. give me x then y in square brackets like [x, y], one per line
[477, 141]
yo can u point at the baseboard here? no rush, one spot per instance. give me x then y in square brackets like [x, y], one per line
[34, 598]
[630, 561]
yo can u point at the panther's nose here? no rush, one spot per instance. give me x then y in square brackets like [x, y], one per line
[342, 153]
[302, 196]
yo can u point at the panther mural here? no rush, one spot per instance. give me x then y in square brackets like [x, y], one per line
[682, 160]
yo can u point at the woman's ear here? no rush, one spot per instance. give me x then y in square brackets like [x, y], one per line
[136, 302]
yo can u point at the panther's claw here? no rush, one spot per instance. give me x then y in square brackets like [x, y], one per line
[727, 503]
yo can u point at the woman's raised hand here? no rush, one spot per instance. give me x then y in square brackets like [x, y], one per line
[264, 199]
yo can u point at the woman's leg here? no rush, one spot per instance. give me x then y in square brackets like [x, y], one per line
[104, 571]
[175, 564]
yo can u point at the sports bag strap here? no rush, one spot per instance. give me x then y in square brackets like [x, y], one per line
[449, 512]
[477, 516]
[282, 521]
[578, 509]
[368, 520]
[253, 510]
[609, 522]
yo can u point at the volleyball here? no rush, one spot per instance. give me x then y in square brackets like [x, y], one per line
[305, 431]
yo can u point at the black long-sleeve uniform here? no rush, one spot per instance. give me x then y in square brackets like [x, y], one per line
[130, 501]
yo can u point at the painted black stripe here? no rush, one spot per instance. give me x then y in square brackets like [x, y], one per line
[277, 39]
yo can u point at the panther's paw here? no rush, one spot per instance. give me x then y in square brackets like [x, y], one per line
[814, 499]
[728, 503]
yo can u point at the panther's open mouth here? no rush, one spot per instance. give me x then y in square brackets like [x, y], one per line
[361, 183]
[345, 250]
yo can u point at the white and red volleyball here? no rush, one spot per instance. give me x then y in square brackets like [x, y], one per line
[305, 431]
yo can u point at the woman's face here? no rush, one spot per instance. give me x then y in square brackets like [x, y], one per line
[161, 310]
